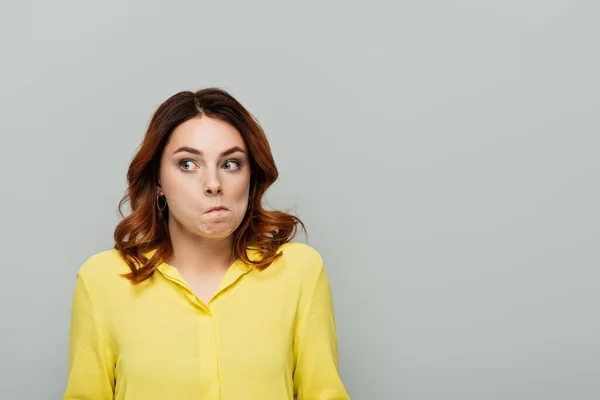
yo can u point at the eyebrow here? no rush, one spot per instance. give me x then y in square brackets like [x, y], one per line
[199, 153]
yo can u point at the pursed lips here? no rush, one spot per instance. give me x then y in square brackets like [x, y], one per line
[219, 208]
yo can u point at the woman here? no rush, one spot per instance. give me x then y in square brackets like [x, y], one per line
[203, 296]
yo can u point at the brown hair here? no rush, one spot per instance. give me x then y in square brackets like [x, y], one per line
[145, 229]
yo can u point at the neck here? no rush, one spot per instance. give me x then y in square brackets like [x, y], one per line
[198, 254]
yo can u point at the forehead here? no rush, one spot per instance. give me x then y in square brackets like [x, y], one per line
[207, 134]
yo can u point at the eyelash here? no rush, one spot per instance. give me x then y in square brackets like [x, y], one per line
[238, 162]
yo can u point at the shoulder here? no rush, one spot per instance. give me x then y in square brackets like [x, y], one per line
[302, 259]
[300, 250]
[304, 265]
[103, 267]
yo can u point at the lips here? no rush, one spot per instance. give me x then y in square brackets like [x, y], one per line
[219, 208]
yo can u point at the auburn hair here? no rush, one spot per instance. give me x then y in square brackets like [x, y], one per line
[146, 228]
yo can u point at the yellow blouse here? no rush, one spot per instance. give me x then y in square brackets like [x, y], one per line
[266, 335]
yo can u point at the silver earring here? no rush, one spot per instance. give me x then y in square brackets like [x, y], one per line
[158, 203]
[249, 204]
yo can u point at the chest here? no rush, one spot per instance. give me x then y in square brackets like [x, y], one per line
[204, 287]
[169, 336]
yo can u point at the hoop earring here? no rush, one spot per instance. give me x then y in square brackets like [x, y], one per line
[249, 204]
[158, 203]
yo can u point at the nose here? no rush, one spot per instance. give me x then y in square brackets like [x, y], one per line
[213, 186]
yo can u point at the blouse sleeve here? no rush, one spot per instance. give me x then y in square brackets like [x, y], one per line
[316, 374]
[91, 363]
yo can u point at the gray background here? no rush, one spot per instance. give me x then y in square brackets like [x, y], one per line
[444, 156]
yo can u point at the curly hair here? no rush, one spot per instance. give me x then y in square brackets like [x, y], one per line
[145, 229]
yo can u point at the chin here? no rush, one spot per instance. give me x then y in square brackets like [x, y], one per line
[216, 236]
[208, 229]
[209, 232]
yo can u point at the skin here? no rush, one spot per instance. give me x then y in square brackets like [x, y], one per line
[192, 184]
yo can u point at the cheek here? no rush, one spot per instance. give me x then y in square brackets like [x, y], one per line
[184, 204]
[239, 190]
[183, 199]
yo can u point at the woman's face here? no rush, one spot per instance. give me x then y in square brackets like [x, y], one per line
[205, 164]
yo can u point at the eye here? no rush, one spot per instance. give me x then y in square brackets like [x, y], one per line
[186, 165]
[230, 162]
